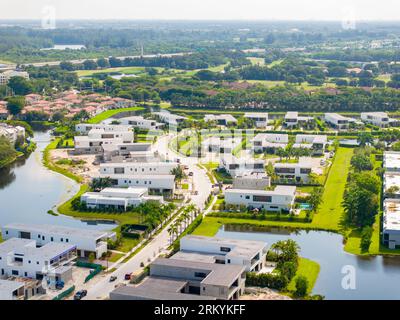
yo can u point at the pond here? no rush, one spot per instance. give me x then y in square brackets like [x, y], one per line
[28, 190]
[375, 277]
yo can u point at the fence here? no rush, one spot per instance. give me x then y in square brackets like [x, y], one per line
[96, 269]
[65, 293]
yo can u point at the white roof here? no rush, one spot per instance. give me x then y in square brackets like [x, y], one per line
[10, 286]
[279, 190]
[60, 230]
[256, 115]
[392, 159]
[391, 216]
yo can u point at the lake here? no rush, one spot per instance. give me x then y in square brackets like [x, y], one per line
[65, 47]
[28, 190]
[375, 277]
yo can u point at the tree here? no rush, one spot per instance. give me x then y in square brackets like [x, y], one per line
[20, 86]
[360, 206]
[99, 184]
[361, 162]
[315, 198]
[301, 286]
[15, 105]
[365, 138]
[178, 173]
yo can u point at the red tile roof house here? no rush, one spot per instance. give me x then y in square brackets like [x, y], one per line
[30, 98]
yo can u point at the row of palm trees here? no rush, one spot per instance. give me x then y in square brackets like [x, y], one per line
[182, 222]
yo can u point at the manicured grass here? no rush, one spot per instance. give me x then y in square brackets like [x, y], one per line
[330, 213]
[1, 239]
[115, 257]
[124, 70]
[310, 270]
[109, 113]
[257, 61]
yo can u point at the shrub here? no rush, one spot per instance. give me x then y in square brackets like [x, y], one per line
[301, 286]
[366, 236]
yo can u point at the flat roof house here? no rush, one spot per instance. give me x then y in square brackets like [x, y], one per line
[84, 128]
[155, 183]
[282, 198]
[138, 168]
[252, 181]
[391, 223]
[250, 254]
[22, 258]
[391, 184]
[8, 74]
[120, 198]
[240, 166]
[391, 161]
[315, 142]
[292, 119]
[219, 145]
[269, 142]
[141, 123]
[380, 119]
[170, 118]
[98, 139]
[12, 133]
[338, 121]
[120, 152]
[86, 241]
[221, 119]
[176, 279]
[294, 172]
[260, 118]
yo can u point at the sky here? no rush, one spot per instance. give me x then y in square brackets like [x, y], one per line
[337, 10]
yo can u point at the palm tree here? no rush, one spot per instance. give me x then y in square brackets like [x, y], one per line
[172, 230]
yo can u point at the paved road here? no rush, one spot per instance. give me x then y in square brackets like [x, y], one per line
[160, 242]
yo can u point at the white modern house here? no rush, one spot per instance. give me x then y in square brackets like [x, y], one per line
[22, 258]
[86, 241]
[239, 166]
[170, 118]
[97, 139]
[338, 121]
[292, 119]
[252, 181]
[380, 119]
[141, 123]
[391, 161]
[269, 142]
[84, 128]
[221, 119]
[391, 205]
[119, 198]
[260, 118]
[296, 172]
[250, 254]
[138, 168]
[155, 183]
[12, 133]
[220, 145]
[315, 142]
[281, 198]
[391, 223]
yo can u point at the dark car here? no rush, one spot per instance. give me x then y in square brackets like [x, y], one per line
[128, 276]
[113, 278]
[80, 294]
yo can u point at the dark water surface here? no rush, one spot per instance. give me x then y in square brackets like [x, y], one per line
[28, 190]
[375, 277]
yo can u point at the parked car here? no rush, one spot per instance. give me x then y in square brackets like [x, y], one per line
[80, 294]
[113, 278]
[190, 174]
[128, 276]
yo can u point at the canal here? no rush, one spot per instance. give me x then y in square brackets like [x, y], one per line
[28, 190]
[375, 277]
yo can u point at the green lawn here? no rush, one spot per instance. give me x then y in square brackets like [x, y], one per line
[109, 113]
[257, 61]
[330, 213]
[310, 270]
